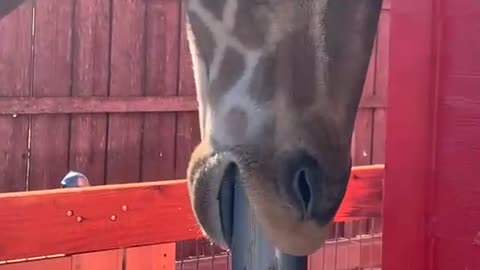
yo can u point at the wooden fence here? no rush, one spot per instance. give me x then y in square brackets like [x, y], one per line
[76, 222]
[105, 87]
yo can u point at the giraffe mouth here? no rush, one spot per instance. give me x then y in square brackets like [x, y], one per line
[226, 202]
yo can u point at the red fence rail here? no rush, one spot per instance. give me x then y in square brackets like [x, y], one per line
[117, 216]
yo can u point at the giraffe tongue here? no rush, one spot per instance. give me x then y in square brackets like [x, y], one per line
[225, 200]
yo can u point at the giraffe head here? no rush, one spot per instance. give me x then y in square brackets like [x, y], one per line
[278, 84]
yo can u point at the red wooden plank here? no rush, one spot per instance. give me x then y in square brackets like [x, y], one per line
[410, 140]
[382, 57]
[362, 138]
[459, 46]
[52, 77]
[143, 214]
[378, 155]
[453, 253]
[456, 206]
[127, 79]
[381, 87]
[362, 143]
[51, 264]
[155, 213]
[97, 104]
[163, 26]
[364, 191]
[104, 260]
[151, 257]
[91, 36]
[15, 79]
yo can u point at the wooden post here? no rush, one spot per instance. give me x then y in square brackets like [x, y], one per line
[251, 250]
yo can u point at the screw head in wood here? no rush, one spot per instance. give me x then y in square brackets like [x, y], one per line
[124, 208]
[79, 219]
[69, 213]
[113, 218]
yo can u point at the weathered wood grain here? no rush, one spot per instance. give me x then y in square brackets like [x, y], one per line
[52, 77]
[95, 104]
[161, 75]
[102, 260]
[99, 104]
[63, 263]
[91, 50]
[127, 79]
[15, 79]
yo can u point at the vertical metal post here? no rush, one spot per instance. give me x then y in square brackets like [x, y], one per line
[251, 250]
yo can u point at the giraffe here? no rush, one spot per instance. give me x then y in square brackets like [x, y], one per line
[278, 85]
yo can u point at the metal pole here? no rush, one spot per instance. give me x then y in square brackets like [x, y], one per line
[251, 250]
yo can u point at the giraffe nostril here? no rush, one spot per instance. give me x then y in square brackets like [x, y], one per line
[302, 188]
[302, 179]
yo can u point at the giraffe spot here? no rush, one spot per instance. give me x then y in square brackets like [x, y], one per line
[204, 38]
[251, 23]
[262, 86]
[216, 7]
[296, 69]
[231, 69]
[236, 124]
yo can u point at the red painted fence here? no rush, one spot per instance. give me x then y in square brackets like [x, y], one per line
[75, 221]
[105, 87]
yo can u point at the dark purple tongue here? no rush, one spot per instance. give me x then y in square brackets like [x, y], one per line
[225, 200]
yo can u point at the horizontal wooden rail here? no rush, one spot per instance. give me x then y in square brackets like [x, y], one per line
[69, 221]
[97, 104]
[58, 105]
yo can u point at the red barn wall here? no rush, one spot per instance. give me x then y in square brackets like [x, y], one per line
[432, 190]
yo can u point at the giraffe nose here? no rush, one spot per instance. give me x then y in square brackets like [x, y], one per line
[302, 181]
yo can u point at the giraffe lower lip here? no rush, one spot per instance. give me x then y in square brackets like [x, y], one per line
[225, 200]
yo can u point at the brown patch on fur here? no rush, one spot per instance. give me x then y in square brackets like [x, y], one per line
[236, 124]
[263, 83]
[296, 55]
[231, 69]
[251, 23]
[215, 7]
[204, 38]
[349, 36]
